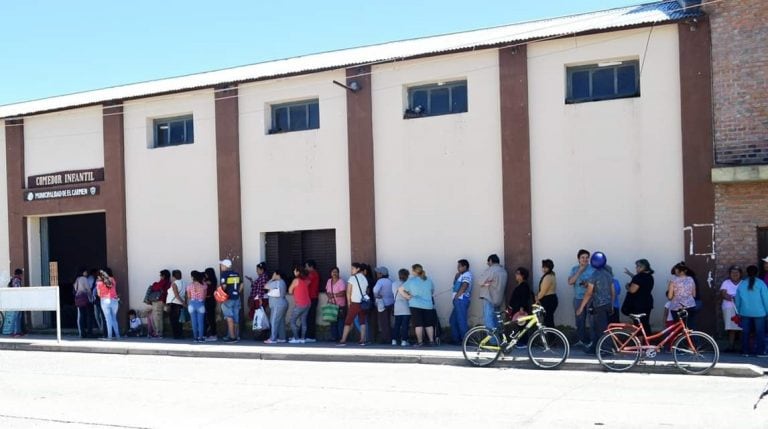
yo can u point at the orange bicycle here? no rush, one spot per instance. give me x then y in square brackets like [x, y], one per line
[623, 345]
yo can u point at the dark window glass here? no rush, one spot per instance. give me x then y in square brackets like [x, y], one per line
[580, 84]
[625, 80]
[161, 135]
[603, 82]
[459, 99]
[298, 115]
[314, 115]
[302, 115]
[420, 98]
[612, 80]
[439, 101]
[174, 131]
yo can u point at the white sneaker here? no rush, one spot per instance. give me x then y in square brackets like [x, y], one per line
[404, 343]
[281, 341]
[295, 341]
[394, 342]
[309, 340]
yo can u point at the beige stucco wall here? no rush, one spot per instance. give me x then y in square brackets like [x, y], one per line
[295, 180]
[68, 140]
[438, 179]
[171, 197]
[607, 175]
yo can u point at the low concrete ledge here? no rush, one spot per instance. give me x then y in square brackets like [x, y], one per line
[740, 174]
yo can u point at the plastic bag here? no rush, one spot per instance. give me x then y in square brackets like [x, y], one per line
[260, 320]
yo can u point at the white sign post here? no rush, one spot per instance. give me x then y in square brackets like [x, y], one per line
[38, 298]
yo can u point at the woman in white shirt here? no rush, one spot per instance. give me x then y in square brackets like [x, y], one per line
[728, 294]
[176, 300]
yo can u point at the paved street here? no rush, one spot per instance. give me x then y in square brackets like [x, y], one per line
[43, 389]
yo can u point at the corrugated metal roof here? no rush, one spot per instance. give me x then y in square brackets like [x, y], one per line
[646, 14]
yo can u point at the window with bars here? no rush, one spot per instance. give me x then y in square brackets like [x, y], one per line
[435, 99]
[295, 116]
[602, 81]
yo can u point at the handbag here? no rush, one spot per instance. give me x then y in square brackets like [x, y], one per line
[81, 300]
[330, 311]
[219, 295]
[151, 296]
[274, 293]
[365, 301]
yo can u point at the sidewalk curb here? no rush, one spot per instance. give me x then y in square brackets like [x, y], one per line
[372, 355]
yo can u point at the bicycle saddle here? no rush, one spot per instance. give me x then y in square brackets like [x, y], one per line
[637, 316]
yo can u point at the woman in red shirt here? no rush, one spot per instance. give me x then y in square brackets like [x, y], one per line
[299, 288]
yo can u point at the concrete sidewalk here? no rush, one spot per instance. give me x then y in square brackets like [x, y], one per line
[730, 365]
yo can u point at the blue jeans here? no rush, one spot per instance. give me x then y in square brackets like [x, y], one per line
[458, 320]
[13, 318]
[402, 324]
[581, 322]
[746, 326]
[489, 316]
[299, 315]
[599, 323]
[109, 307]
[197, 314]
[278, 306]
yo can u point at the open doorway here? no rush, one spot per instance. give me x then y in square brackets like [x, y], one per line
[73, 242]
[286, 249]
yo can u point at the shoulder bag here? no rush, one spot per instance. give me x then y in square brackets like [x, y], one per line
[365, 301]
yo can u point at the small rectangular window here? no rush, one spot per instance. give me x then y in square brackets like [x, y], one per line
[603, 81]
[296, 116]
[173, 131]
[437, 99]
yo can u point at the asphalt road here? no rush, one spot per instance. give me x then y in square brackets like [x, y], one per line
[74, 390]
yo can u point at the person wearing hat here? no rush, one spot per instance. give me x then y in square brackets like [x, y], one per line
[230, 282]
[385, 302]
[598, 298]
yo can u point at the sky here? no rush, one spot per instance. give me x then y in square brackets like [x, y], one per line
[56, 47]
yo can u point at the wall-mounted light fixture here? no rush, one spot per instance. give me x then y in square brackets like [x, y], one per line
[353, 86]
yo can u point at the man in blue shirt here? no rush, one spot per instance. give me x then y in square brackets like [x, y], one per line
[578, 278]
[462, 290]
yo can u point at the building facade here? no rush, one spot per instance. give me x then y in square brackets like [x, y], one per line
[530, 141]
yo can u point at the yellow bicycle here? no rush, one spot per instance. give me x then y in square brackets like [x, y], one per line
[547, 347]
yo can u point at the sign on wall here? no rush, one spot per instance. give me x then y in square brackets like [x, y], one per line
[52, 194]
[65, 178]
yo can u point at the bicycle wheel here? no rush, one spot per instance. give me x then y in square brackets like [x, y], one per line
[481, 346]
[618, 351]
[698, 356]
[548, 348]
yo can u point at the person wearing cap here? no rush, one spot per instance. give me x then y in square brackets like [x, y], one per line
[461, 292]
[230, 282]
[728, 294]
[598, 297]
[385, 302]
[639, 298]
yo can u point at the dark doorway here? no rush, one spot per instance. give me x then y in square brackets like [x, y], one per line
[286, 249]
[762, 245]
[75, 241]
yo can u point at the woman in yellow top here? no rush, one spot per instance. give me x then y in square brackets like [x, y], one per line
[547, 296]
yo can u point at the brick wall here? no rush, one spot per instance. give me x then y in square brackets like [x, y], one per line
[740, 80]
[739, 210]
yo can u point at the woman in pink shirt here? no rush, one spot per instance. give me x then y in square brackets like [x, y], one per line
[299, 288]
[336, 290]
[196, 292]
[106, 287]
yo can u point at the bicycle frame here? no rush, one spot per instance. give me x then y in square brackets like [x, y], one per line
[670, 333]
[506, 343]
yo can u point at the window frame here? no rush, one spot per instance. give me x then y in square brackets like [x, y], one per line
[411, 111]
[601, 66]
[189, 122]
[307, 102]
